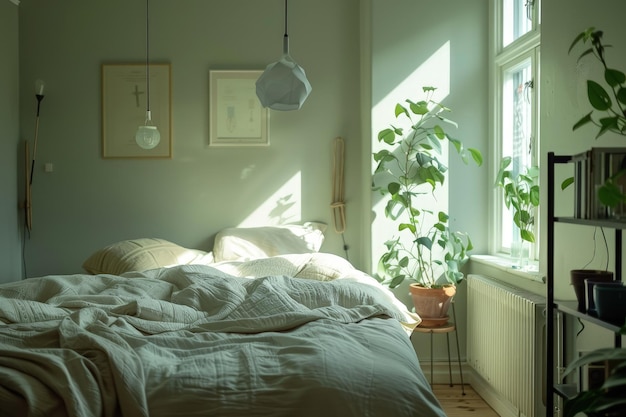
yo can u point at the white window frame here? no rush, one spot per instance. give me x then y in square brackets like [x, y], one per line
[525, 47]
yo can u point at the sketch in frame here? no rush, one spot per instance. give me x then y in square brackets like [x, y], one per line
[124, 98]
[236, 117]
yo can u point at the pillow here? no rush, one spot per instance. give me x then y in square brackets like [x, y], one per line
[244, 244]
[141, 255]
[326, 267]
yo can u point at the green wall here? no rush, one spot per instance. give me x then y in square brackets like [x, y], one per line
[11, 156]
[88, 202]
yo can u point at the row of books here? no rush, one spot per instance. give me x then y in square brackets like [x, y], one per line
[592, 169]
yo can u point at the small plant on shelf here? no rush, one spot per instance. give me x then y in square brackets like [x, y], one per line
[610, 105]
[608, 111]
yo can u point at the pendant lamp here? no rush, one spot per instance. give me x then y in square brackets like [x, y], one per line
[283, 85]
[147, 136]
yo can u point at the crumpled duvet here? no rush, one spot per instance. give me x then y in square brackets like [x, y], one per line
[196, 341]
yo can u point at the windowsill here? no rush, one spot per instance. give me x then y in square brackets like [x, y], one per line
[505, 263]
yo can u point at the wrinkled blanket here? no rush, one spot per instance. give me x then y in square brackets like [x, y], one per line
[197, 341]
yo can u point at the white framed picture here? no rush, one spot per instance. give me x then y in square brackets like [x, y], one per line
[236, 116]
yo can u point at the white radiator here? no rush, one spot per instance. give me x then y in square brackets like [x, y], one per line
[505, 343]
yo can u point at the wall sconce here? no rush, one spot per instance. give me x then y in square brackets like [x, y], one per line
[39, 90]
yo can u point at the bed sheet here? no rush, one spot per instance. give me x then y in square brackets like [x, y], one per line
[195, 340]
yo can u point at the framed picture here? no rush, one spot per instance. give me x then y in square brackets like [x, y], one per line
[236, 117]
[124, 103]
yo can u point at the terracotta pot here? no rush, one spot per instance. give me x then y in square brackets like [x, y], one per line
[578, 277]
[432, 304]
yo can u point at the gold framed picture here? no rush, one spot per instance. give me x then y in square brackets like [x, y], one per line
[124, 104]
[236, 117]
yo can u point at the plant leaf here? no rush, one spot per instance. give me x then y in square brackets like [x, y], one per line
[419, 108]
[598, 355]
[404, 226]
[400, 109]
[424, 241]
[477, 156]
[393, 188]
[387, 135]
[598, 97]
[583, 121]
[614, 77]
[534, 195]
[583, 36]
[610, 194]
[567, 182]
[397, 280]
[439, 132]
[527, 235]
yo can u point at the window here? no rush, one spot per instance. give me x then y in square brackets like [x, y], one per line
[517, 19]
[516, 41]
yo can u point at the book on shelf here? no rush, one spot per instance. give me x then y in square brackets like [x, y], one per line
[592, 169]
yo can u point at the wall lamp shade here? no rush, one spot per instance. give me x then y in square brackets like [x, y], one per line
[283, 85]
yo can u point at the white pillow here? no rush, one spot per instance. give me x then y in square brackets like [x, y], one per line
[141, 255]
[242, 244]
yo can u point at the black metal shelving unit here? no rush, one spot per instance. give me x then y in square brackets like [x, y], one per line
[569, 308]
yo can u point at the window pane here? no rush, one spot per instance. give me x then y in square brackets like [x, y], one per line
[516, 132]
[516, 19]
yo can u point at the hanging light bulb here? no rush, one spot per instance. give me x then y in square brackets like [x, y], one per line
[147, 136]
[283, 85]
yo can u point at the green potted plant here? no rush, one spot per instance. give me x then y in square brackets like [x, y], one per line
[409, 170]
[608, 111]
[608, 400]
[521, 196]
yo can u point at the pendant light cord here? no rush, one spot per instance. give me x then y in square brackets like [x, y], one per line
[286, 18]
[148, 58]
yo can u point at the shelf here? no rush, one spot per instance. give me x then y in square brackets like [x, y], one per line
[610, 223]
[566, 391]
[571, 308]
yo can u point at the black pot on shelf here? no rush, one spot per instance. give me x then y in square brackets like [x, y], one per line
[610, 302]
[578, 277]
[590, 283]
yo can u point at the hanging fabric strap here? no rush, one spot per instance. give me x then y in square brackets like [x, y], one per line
[338, 205]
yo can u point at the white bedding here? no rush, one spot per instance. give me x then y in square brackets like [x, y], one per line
[194, 340]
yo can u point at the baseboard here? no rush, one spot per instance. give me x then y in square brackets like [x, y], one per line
[503, 407]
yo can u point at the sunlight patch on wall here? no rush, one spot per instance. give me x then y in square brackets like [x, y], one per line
[434, 72]
[282, 207]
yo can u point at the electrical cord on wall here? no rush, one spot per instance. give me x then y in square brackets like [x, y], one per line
[606, 246]
[25, 235]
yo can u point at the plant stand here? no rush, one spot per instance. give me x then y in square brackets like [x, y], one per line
[449, 327]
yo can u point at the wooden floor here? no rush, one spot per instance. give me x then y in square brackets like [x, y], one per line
[457, 405]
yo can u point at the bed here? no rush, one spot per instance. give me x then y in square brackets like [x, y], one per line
[289, 334]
